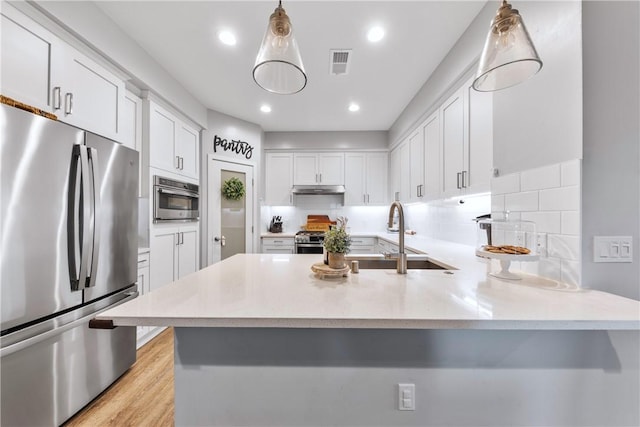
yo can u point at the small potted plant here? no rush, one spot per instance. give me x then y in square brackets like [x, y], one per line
[337, 243]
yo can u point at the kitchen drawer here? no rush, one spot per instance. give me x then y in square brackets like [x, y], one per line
[143, 260]
[363, 241]
[277, 245]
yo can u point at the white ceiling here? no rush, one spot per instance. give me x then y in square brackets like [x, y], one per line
[384, 77]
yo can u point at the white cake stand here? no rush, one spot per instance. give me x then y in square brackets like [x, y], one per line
[505, 262]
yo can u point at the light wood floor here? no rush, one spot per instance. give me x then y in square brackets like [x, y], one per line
[143, 396]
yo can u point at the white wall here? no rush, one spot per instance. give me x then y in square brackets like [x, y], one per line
[229, 128]
[611, 167]
[345, 140]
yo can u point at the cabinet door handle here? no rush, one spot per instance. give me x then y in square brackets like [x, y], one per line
[458, 175]
[68, 103]
[57, 98]
[464, 179]
[367, 198]
[364, 198]
[320, 178]
[181, 163]
[290, 198]
[177, 163]
[182, 238]
[396, 196]
[177, 239]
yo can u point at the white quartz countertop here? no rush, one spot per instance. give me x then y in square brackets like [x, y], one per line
[280, 290]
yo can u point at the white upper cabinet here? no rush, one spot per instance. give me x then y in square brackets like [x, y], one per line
[431, 138]
[131, 130]
[187, 148]
[28, 55]
[41, 70]
[278, 179]
[92, 97]
[479, 148]
[452, 116]
[405, 171]
[318, 169]
[416, 166]
[467, 141]
[173, 145]
[365, 178]
[394, 174]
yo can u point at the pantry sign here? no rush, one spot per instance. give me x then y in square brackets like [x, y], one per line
[235, 146]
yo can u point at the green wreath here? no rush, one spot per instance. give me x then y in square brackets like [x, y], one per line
[233, 189]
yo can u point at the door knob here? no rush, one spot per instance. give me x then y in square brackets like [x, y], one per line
[222, 240]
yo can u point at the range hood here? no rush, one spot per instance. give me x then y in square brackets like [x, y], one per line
[318, 189]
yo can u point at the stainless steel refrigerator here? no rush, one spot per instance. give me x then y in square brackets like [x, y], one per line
[69, 245]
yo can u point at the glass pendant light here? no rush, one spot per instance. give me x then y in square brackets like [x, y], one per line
[508, 57]
[278, 67]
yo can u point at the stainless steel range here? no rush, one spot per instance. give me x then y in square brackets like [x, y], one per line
[309, 242]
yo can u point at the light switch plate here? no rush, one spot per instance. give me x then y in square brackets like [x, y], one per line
[612, 249]
[406, 397]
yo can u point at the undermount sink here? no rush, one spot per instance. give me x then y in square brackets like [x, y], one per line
[391, 264]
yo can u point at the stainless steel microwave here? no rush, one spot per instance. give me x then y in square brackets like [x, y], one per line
[175, 201]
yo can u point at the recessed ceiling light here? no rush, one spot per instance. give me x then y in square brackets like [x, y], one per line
[353, 107]
[375, 34]
[227, 38]
[265, 108]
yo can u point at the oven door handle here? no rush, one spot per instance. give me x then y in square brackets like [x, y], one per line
[178, 192]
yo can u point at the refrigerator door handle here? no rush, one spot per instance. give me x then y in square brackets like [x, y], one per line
[77, 221]
[5, 351]
[94, 227]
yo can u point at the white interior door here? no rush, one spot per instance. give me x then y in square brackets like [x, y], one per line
[229, 222]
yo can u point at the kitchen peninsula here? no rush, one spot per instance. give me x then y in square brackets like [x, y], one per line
[259, 340]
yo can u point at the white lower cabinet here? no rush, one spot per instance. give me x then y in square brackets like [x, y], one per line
[174, 253]
[278, 245]
[144, 333]
[363, 245]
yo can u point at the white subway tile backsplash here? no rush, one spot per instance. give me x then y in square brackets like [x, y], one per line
[497, 203]
[570, 223]
[546, 222]
[560, 199]
[570, 272]
[565, 247]
[570, 173]
[527, 201]
[550, 268]
[506, 184]
[540, 178]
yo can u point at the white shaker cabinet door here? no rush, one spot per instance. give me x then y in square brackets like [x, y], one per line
[187, 150]
[452, 119]
[28, 56]
[405, 172]
[278, 179]
[376, 178]
[92, 97]
[164, 257]
[431, 137]
[416, 166]
[355, 179]
[305, 169]
[479, 150]
[188, 252]
[331, 169]
[162, 137]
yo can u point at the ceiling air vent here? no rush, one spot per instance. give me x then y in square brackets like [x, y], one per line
[340, 59]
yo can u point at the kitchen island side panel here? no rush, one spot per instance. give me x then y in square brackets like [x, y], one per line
[312, 377]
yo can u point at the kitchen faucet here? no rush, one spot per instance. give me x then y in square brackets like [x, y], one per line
[401, 256]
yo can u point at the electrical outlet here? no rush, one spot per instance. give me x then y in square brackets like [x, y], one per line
[406, 397]
[541, 244]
